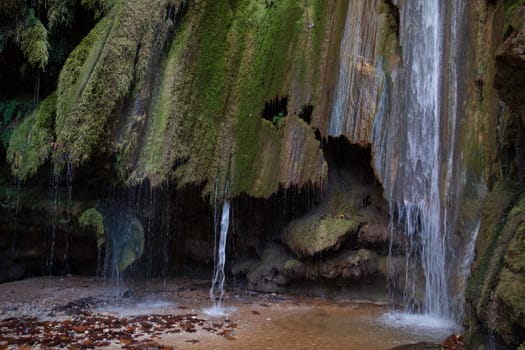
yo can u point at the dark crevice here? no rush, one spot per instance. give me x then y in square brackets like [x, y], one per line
[275, 109]
[306, 113]
[318, 135]
[393, 10]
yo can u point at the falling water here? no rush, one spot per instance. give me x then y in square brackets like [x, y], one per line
[418, 205]
[12, 268]
[69, 206]
[54, 189]
[219, 277]
[418, 157]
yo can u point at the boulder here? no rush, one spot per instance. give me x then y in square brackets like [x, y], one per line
[350, 265]
[374, 236]
[313, 235]
[268, 275]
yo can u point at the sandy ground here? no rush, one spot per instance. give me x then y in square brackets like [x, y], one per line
[76, 312]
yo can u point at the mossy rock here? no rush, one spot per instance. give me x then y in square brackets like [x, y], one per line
[128, 245]
[515, 257]
[224, 64]
[93, 219]
[101, 72]
[313, 235]
[489, 248]
[31, 142]
[511, 293]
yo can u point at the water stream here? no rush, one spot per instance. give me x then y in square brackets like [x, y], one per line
[217, 286]
[418, 203]
[415, 112]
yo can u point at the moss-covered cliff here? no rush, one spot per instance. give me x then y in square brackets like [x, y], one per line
[495, 291]
[174, 91]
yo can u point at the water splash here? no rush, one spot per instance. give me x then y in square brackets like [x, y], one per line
[431, 326]
[219, 277]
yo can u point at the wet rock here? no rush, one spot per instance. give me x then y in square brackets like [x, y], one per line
[351, 265]
[269, 275]
[510, 65]
[373, 236]
[79, 306]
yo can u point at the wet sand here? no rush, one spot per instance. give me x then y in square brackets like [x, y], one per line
[255, 321]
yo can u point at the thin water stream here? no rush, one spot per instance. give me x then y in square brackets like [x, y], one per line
[219, 277]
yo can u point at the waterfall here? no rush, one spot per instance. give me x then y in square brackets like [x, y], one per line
[418, 205]
[414, 110]
[219, 277]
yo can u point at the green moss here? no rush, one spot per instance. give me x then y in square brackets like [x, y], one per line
[93, 218]
[99, 7]
[511, 292]
[515, 254]
[490, 247]
[100, 73]
[515, 258]
[30, 143]
[32, 39]
[225, 62]
[310, 236]
[60, 13]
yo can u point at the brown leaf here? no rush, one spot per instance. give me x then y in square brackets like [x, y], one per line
[126, 341]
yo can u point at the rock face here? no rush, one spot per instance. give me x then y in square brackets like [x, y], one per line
[343, 240]
[495, 290]
[510, 64]
[277, 270]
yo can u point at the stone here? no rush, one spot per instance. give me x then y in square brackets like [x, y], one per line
[314, 235]
[373, 236]
[269, 274]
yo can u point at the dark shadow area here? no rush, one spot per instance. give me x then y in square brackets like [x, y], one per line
[275, 109]
[306, 113]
